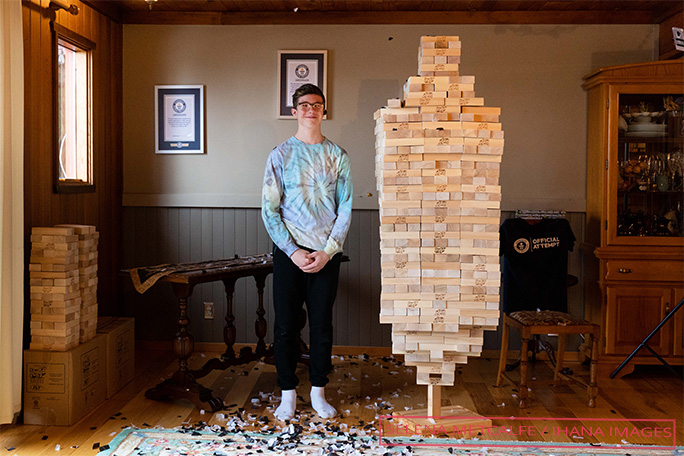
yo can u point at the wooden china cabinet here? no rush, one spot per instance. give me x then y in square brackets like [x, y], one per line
[634, 223]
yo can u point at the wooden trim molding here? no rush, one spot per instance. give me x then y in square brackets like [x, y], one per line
[389, 17]
[74, 37]
[669, 72]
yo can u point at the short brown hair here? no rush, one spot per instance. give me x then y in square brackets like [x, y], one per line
[306, 89]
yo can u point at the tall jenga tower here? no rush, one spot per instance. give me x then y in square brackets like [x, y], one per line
[88, 238]
[54, 289]
[438, 153]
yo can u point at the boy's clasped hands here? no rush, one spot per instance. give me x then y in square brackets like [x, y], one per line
[310, 262]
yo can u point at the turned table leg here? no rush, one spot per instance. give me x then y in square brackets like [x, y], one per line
[184, 342]
[260, 325]
[183, 383]
[229, 332]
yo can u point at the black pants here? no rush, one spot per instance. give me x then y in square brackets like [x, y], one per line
[291, 288]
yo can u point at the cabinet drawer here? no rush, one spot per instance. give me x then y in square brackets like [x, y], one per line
[656, 271]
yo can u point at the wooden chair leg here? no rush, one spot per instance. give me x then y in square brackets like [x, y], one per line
[523, 392]
[559, 356]
[504, 353]
[593, 388]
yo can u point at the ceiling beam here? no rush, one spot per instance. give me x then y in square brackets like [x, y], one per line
[390, 17]
[109, 9]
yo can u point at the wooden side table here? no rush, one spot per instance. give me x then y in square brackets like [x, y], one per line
[183, 278]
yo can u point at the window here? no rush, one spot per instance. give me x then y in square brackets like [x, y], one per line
[73, 111]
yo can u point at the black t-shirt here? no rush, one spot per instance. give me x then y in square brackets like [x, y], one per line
[535, 264]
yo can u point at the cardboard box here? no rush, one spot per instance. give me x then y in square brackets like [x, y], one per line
[60, 388]
[120, 351]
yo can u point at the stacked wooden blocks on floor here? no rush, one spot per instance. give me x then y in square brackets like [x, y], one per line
[54, 288]
[63, 286]
[88, 238]
[438, 153]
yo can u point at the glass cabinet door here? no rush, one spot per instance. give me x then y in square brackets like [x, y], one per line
[648, 156]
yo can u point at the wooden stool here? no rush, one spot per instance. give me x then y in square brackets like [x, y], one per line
[528, 323]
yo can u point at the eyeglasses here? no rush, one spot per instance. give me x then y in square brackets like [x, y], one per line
[306, 106]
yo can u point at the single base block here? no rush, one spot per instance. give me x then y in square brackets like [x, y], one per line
[451, 419]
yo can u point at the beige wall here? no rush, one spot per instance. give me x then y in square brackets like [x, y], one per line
[534, 73]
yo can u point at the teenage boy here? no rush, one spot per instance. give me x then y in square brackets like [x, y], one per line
[306, 207]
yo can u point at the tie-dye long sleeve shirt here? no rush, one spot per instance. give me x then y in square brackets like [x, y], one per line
[306, 198]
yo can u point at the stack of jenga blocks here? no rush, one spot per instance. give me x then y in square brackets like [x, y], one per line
[438, 153]
[63, 286]
[55, 294]
[88, 238]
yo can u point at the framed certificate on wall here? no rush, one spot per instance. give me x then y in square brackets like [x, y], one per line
[296, 68]
[179, 119]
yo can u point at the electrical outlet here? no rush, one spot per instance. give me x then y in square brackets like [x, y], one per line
[208, 310]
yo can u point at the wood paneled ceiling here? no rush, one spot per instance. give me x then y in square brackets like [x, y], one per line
[388, 11]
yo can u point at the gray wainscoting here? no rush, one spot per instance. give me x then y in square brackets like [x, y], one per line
[155, 235]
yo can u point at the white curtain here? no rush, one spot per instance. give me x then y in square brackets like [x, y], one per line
[11, 207]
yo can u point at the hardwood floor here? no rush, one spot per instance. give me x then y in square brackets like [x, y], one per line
[361, 388]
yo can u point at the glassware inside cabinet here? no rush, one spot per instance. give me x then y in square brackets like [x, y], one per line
[650, 184]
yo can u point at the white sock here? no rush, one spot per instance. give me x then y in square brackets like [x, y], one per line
[288, 402]
[319, 403]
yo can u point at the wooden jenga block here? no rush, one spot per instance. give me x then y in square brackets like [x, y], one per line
[426, 52]
[79, 229]
[394, 111]
[52, 231]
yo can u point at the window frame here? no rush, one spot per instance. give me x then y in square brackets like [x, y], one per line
[66, 37]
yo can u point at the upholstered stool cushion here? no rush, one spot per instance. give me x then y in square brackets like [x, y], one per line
[546, 317]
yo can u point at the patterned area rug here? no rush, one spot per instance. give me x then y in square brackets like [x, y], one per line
[218, 441]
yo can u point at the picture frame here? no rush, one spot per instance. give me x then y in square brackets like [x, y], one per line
[179, 119]
[296, 68]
